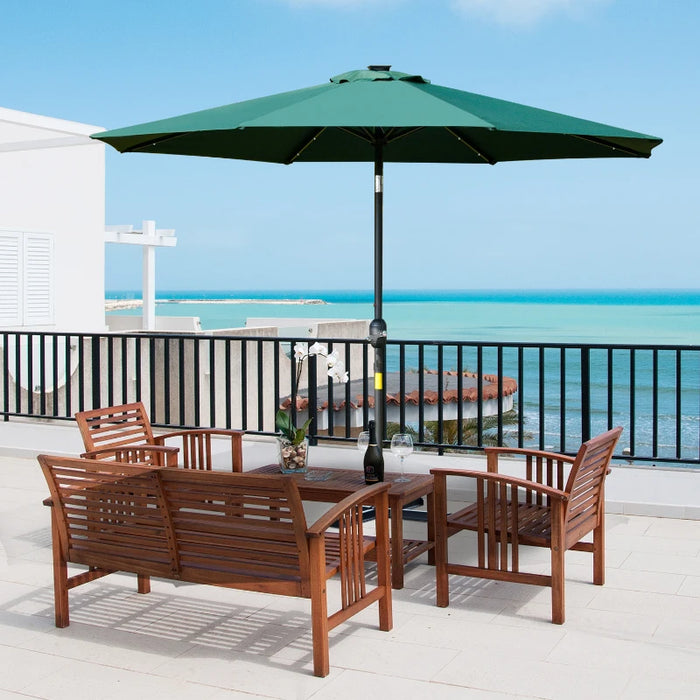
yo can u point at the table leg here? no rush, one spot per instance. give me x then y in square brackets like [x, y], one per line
[397, 544]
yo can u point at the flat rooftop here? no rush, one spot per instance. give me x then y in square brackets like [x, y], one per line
[636, 637]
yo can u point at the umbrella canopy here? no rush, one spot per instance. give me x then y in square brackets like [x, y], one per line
[380, 115]
[414, 120]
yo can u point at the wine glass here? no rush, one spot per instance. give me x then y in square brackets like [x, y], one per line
[363, 441]
[402, 446]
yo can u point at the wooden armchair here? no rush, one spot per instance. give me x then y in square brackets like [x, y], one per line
[124, 434]
[547, 508]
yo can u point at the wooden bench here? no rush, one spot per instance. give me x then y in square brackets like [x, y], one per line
[558, 502]
[110, 432]
[227, 529]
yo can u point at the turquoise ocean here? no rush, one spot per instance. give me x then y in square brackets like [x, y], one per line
[624, 317]
[665, 317]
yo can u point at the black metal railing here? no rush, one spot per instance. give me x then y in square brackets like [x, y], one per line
[565, 392]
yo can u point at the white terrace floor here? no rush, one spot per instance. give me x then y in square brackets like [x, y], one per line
[636, 637]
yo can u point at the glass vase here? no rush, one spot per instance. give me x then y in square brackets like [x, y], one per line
[293, 458]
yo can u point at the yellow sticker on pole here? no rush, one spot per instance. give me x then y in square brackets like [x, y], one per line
[378, 381]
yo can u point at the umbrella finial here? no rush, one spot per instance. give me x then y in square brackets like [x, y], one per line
[380, 68]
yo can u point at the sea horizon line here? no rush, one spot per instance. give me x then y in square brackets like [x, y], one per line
[607, 296]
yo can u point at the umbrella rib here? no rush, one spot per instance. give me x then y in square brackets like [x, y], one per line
[363, 134]
[407, 132]
[153, 142]
[300, 149]
[613, 146]
[470, 146]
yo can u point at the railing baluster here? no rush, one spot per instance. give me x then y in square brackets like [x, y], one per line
[679, 404]
[632, 402]
[611, 387]
[480, 396]
[138, 386]
[460, 394]
[166, 379]
[499, 399]
[402, 388]
[110, 370]
[96, 371]
[440, 397]
[212, 381]
[244, 385]
[125, 369]
[197, 382]
[562, 400]
[585, 393]
[82, 368]
[348, 395]
[521, 396]
[54, 374]
[421, 393]
[227, 382]
[261, 386]
[276, 376]
[655, 404]
[42, 376]
[330, 413]
[6, 376]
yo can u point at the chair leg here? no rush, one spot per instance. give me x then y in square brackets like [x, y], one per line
[599, 554]
[558, 602]
[442, 584]
[319, 608]
[60, 577]
[558, 557]
[144, 583]
[384, 569]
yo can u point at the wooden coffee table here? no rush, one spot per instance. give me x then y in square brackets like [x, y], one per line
[344, 482]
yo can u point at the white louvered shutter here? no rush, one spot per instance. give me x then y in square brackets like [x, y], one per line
[38, 279]
[10, 278]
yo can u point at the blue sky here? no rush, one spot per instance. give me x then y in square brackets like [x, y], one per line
[242, 225]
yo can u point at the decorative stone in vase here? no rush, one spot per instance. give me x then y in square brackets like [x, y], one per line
[293, 457]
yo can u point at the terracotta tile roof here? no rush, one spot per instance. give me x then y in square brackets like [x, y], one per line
[411, 395]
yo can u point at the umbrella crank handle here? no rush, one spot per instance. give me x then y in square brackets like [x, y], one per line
[377, 333]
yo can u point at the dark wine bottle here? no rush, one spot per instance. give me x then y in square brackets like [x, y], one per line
[374, 460]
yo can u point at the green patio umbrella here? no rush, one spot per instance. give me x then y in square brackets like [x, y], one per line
[380, 115]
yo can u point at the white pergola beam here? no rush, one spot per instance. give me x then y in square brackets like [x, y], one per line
[149, 238]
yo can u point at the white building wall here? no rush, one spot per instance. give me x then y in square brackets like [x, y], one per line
[52, 181]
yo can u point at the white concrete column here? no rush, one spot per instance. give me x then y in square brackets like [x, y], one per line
[149, 277]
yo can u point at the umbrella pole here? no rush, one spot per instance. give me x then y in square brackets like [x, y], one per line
[377, 328]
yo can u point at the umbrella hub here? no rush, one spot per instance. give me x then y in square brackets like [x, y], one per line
[376, 73]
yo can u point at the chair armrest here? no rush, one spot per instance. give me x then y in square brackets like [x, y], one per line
[502, 479]
[525, 452]
[224, 432]
[133, 454]
[369, 493]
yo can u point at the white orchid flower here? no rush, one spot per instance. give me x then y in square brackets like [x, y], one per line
[301, 350]
[333, 359]
[338, 372]
[318, 349]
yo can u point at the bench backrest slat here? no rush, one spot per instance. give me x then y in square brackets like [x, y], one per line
[178, 523]
[242, 525]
